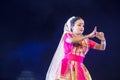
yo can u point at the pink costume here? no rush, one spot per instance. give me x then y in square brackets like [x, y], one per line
[72, 67]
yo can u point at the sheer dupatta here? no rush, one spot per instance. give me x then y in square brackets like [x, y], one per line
[55, 65]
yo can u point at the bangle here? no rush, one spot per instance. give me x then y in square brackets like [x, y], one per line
[103, 40]
[85, 37]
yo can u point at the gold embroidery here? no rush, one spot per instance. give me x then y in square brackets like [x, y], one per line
[80, 48]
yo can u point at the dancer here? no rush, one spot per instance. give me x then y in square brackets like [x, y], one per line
[67, 62]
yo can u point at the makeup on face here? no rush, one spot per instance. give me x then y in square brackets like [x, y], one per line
[78, 27]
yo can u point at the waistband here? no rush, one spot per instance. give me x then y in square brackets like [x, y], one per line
[74, 57]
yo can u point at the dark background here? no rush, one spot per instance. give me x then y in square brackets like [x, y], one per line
[30, 31]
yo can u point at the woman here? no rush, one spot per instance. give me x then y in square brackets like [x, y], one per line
[67, 63]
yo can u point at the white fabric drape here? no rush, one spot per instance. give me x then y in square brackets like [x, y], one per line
[55, 65]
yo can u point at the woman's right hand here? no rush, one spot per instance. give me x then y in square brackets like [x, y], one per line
[93, 33]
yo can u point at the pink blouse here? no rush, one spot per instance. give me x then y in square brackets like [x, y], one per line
[68, 47]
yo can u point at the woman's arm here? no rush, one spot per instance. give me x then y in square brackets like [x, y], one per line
[102, 45]
[76, 39]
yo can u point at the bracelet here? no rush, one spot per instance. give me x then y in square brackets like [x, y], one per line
[103, 40]
[85, 37]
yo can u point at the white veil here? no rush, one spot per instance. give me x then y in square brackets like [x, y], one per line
[55, 66]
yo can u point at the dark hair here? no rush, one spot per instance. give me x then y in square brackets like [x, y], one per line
[72, 22]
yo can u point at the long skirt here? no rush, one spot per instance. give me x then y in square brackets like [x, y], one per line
[72, 68]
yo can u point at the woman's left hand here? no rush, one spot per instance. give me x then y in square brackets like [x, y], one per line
[100, 35]
[93, 33]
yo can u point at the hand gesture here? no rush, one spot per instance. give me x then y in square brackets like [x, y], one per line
[92, 34]
[100, 35]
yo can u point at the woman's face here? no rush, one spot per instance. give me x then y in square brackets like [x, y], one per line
[78, 27]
